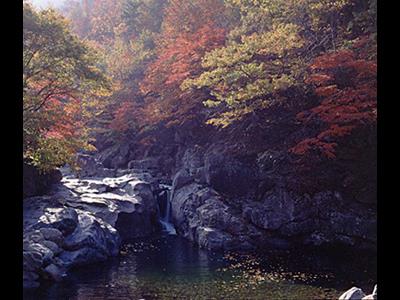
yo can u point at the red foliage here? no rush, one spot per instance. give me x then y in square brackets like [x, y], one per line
[123, 116]
[65, 120]
[347, 85]
[188, 32]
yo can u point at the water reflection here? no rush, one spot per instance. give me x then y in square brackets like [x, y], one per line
[170, 267]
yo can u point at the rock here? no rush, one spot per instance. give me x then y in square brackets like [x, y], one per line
[52, 234]
[227, 174]
[352, 294]
[210, 238]
[373, 296]
[87, 164]
[52, 246]
[63, 219]
[93, 233]
[201, 216]
[82, 256]
[36, 183]
[114, 157]
[35, 236]
[144, 164]
[30, 280]
[84, 219]
[181, 179]
[32, 260]
[45, 254]
[54, 272]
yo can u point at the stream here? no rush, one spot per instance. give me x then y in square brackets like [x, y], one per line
[167, 266]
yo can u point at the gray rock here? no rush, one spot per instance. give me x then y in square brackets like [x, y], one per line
[94, 233]
[352, 294]
[82, 256]
[63, 219]
[52, 246]
[46, 255]
[55, 272]
[181, 179]
[211, 238]
[30, 280]
[52, 234]
[373, 296]
[87, 164]
[227, 174]
[32, 260]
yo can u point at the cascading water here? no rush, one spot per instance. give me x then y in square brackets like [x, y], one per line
[165, 211]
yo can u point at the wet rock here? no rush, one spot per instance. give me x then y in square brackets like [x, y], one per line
[82, 256]
[352, 294]
[211, 238]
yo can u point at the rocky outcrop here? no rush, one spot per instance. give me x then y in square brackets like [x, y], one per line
[84, 220]
[357, 294]
[214, 204]
[36, 183]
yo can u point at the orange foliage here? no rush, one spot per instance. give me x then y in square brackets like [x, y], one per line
[123, 116]
[347, 85]
[188, 32]
[65, 118]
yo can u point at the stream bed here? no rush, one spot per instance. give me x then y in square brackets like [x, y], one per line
[170, 267]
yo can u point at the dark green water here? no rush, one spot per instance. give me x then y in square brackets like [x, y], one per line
[169, 267]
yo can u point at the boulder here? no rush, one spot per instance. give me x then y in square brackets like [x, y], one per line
[63, 219]
[373, 296]
[227, 174]
[30, 280]
[352, 294]
[182, 178]
[36, 183]
[93, 233]
[200, 215]
[82, 256]
[88, 165]
[54, 272]
[52, 234]
[114, 157]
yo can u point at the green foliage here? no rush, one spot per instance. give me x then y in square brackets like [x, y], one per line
[62, 89]
[267, 53]
[143, 16]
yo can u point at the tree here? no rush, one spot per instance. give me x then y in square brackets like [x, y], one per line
[189, 29]
[346, 83]
[62, 89]
[267, 53]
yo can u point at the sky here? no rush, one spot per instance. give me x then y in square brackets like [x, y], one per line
[46, 3]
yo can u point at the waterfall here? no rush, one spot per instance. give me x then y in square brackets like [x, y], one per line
[165, 212]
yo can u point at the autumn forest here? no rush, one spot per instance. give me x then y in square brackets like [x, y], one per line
[259, 115]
